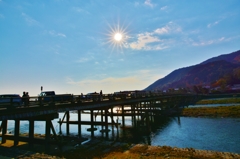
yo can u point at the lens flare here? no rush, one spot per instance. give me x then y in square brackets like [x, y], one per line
[117, 37]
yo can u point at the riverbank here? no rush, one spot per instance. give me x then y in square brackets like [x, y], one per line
[221, 111]
[148, 152]
[109, 150]
[219, 101]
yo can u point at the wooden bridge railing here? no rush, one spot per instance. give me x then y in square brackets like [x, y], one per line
[37, 106]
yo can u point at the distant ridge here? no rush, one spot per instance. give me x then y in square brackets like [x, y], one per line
[206, 73]
[232, 57]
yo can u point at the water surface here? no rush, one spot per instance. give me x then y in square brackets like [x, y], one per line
[219, 134]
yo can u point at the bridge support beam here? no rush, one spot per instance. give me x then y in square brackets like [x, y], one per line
[106, 122]
[151, 110]
[102, 122]
[112, 122]
[134, 115]
[16, 132]
[79, 124]
[67, 123]
[31, 132]
[92, 126]
[123, 119]
[47, 134]
[4, 131]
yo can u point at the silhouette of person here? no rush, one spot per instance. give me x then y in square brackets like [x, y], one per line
[81, 96]
[27, 99]
[24, 99]
[100, 95]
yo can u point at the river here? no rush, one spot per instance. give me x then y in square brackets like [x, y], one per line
[219, 134]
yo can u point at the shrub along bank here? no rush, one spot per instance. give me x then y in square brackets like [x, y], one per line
[221, 111]
[219, 101]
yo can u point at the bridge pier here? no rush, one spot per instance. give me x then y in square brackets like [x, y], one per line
[67, 123]
[16, 132]
[134, 115]
[106, 122]
[79, 124]
[112, 122]
[123, 118]
[152, 108]
[16, 137]
[31, 132]
[47, 133]
[4, 130]
[92, 122]
[102, 126]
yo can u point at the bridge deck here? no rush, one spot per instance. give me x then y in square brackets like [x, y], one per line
[38, 108]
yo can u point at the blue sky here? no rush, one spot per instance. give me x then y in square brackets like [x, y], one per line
[68, 45]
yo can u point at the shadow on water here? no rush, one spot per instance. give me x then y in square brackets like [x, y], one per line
[142, 134]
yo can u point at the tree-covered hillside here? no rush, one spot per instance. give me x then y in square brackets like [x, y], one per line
[214, 72]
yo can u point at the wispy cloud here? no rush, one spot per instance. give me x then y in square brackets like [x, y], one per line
[152, 40]
[80, 10]
[149, 3]
[30, 20]
[54, 33]
[164, 8]
[55, 49]
[169, 28]
[209, 42]
[162, 30]
[213, 24]
[82, 60]
[143, 40]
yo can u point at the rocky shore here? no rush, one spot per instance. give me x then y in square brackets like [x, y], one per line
[145, 151]
[108, 150]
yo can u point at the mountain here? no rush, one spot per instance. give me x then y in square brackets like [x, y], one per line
[206, 73]
[232, 58]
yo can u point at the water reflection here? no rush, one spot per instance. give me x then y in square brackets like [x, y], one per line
[219, 134]
[145, 134]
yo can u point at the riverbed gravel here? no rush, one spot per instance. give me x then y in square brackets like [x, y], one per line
[109, 150]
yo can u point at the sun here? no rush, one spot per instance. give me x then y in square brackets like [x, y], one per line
[118, 36]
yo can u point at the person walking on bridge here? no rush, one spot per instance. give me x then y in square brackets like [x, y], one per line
[27, 99]
[24, 99]
[101, 95]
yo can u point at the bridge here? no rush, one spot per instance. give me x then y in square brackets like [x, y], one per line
[145, 106]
